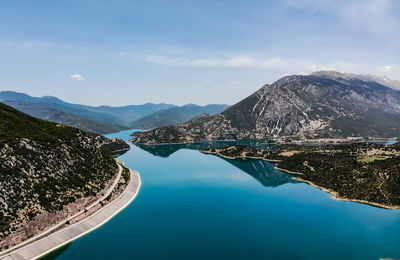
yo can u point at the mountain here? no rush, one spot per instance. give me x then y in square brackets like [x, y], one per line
[47, 171]
[394, 84]
[176, 115]
[102, 119]
[325, 104]
[45, 112]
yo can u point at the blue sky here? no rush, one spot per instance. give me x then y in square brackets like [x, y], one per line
[207, 51]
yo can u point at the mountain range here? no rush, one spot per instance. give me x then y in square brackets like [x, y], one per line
[322, 105]
[176, 115]
[104, 119]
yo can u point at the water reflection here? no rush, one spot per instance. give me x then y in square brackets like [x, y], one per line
[166, 150]
[262, 171]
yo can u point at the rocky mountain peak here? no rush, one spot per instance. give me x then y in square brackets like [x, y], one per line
[325, 104]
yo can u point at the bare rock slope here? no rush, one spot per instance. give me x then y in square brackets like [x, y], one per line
[324, 104]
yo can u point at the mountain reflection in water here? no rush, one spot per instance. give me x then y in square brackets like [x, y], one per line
[262, 171]
[167, 149]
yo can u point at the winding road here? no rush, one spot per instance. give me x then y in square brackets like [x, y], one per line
[42, 244]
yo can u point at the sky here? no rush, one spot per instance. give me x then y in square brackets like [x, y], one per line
[124, 52]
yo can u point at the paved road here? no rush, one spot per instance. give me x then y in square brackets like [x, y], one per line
[57, 239]
[62, 222]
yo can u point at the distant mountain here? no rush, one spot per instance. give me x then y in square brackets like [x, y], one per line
[48, 171]
[102, 119]
[350, 76]
[44, 111]
[176, 115]
[321, 105]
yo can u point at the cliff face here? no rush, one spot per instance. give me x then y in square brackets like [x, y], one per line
[320, 105]
[47, 171]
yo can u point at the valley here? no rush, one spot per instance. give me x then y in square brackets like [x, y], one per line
[301, 129]
[105, 119]
[196, 130]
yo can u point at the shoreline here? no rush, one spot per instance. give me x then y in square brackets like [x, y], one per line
[240, 157]
[333, 193]
[320, 141]
[255, 158]
[335, 196]
[51, 242]
[121, 150]
[160, 144]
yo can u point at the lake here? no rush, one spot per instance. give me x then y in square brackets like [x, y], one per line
[197, 206]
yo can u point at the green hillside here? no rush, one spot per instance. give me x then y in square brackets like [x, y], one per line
[45, 166]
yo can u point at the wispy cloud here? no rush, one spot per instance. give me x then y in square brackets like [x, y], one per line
[392, 71]
[275, 63]
[234, 62]
[279, 65]
[376, 16]
[76, 77]
[235, 82]
[387, 68]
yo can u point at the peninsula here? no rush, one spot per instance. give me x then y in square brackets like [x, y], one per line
[361, 172]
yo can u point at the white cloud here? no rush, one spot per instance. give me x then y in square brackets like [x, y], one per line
[386, 69]
[391, 71]
[76, 77]
[277, 65]
[207, 81]
[234, 62]
[235, 82]
[122, 54]
[314, 67]
[282, 65]
[378, 6]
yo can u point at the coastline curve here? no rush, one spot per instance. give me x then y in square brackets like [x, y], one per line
[66, 235]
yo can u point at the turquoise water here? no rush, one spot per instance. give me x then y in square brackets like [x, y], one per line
[196, 206]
